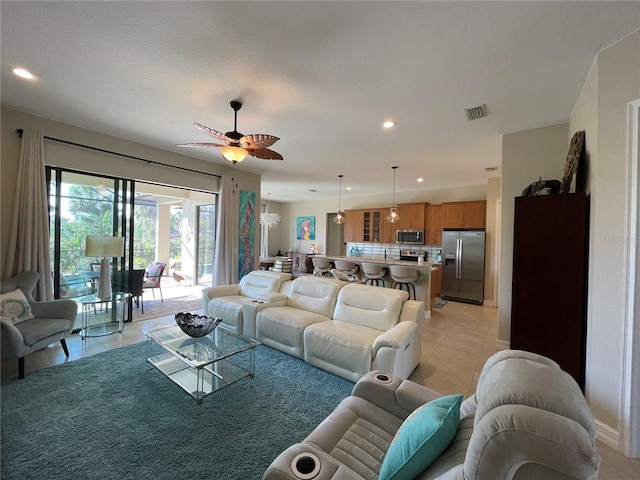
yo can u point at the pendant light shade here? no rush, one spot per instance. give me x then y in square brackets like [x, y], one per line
[339, 218]
[393, 216]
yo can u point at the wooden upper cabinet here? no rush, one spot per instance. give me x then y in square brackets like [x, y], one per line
[353, 225]
[411, 216]
[433, 225]
[464, 214]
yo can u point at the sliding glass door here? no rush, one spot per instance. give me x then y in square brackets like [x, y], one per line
[82, 204]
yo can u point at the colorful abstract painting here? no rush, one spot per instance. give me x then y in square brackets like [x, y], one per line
[247, 232]
[306, 227]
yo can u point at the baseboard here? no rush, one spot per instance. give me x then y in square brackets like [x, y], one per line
[489, 303]
[503, 345]
[607, 435]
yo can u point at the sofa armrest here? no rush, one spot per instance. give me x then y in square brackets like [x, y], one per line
[12, 341]
[399, 337]
[67, 309]
[307, 457]
[250, 312]
[219, 291]
[399, 397]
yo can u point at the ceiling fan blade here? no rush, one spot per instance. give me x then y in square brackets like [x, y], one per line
[258, 140]
[264, 153]
[214, 133]
[205, 145]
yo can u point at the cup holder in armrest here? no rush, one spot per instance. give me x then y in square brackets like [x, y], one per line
[305, 466]
[383, 378]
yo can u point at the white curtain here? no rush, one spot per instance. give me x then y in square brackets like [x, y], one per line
[28, 246]
[224, 257]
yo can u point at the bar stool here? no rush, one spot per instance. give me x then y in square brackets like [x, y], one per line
[374, 273]
[348, 268]
[404, 276]
[321, 266]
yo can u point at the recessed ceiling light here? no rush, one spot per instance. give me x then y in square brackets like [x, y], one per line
[23, 73]
[348, 188]
[389, 124]
[420, 180]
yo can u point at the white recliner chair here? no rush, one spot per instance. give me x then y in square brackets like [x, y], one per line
[226, 301]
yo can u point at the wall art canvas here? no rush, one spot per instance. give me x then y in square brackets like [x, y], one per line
[306, 227]
[247, 232]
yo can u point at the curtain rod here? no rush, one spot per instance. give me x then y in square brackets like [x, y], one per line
[19, 132]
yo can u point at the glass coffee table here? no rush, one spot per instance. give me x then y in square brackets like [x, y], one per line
[201, 366]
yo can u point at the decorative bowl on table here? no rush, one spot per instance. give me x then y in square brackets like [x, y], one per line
[196, 325]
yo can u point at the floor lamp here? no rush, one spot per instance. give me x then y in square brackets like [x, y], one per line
[105, 248]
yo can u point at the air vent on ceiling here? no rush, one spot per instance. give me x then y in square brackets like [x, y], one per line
[474, 113]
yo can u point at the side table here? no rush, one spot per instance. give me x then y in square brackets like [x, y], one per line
[107, 323]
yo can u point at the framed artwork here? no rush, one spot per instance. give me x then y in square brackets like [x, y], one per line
[306, 228]
[247, 232]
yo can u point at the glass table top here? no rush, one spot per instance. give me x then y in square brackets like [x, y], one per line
[199, 352]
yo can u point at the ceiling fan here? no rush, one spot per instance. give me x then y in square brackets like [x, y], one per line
[237, 145]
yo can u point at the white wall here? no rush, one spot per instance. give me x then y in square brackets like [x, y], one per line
[601, 111]
[526, 156]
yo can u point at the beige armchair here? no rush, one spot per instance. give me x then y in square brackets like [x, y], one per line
[53, 321]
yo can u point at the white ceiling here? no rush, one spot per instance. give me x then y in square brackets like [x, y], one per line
[322, 76]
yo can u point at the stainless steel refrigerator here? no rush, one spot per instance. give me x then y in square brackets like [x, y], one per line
[463, 265]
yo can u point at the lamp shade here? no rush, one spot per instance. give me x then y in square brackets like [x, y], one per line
[103, 247]
[233, 154]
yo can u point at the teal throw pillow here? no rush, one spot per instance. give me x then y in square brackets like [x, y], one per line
[422, 438]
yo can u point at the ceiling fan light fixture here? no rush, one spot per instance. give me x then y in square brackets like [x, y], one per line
[393, 216]
[339, 218]
[233, 154]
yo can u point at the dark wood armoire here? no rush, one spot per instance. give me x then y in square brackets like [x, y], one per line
[549, 290]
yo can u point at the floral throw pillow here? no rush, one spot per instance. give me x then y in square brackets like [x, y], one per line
[14, 307]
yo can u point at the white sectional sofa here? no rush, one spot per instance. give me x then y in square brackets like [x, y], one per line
[346, 329]
[226, 301]
[528, 420]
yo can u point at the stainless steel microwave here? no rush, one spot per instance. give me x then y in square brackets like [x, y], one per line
[410, 237]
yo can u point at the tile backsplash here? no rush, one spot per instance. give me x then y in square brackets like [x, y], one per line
[392, 250]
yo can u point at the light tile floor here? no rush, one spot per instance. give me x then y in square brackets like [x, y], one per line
[456, 342]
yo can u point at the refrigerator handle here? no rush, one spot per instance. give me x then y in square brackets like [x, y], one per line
[458, 257]
[460, 261]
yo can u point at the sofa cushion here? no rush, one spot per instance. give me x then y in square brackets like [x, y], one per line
[283, 328]
[421, 438]
[340, 348]
[518, 381]
[229, 308]
[257, 282]
[381, 311]
[314, 294]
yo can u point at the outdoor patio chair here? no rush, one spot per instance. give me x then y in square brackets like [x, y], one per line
[153, 277]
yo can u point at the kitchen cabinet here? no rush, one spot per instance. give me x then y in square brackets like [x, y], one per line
[353, 225]
[433, 225]
[368, 225]
[549, 284]
[411, 216]
[470, 214]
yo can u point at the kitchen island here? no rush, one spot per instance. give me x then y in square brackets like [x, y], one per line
[423, 285]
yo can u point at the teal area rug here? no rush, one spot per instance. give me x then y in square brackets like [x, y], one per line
[114, 416]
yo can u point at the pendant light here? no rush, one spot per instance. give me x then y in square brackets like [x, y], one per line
[393, 216]
[339, 218]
